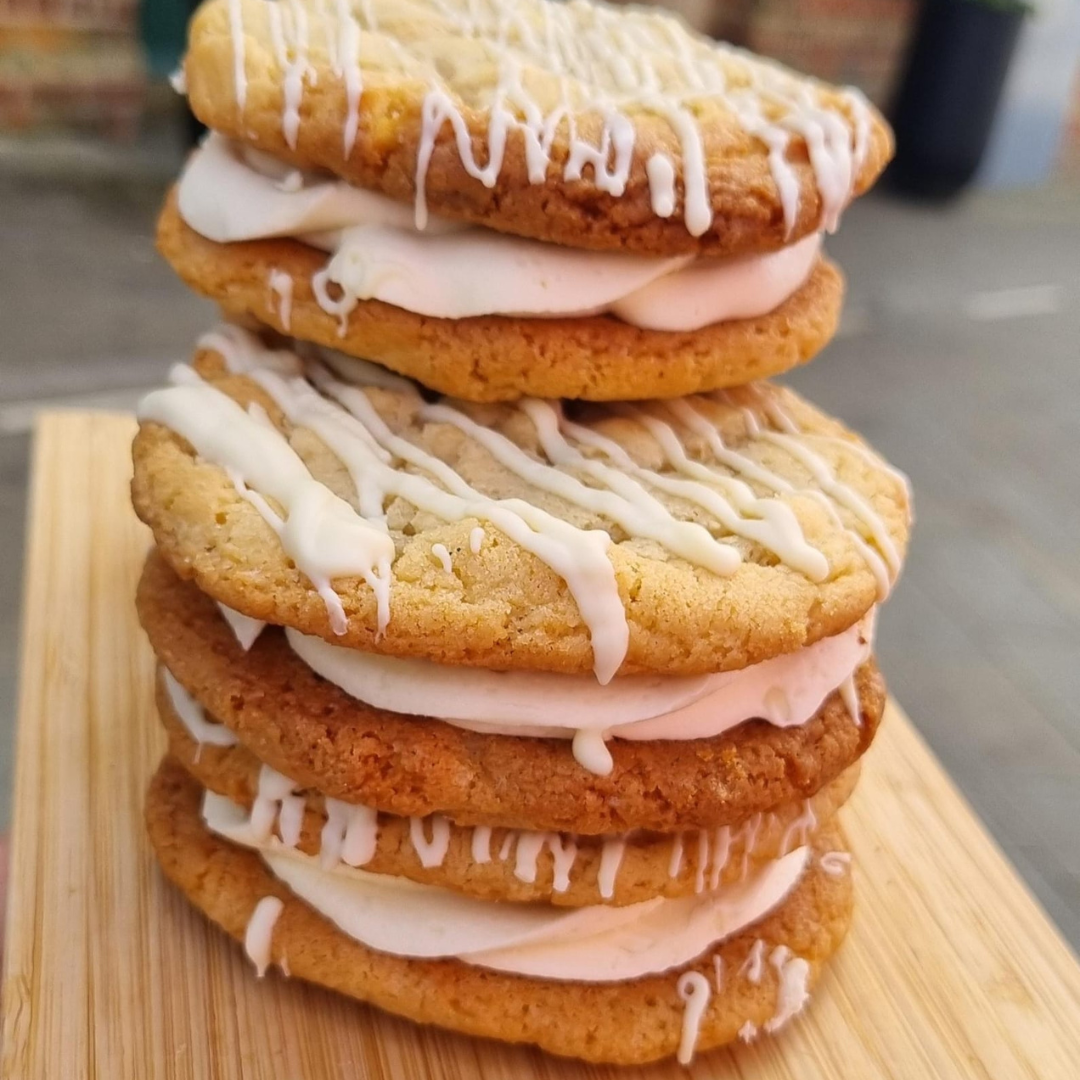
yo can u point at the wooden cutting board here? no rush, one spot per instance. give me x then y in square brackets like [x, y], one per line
[951, 968]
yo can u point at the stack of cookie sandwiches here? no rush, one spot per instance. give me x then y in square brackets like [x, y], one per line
[514, 638]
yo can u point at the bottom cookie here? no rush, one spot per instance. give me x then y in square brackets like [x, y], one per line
[752, 982]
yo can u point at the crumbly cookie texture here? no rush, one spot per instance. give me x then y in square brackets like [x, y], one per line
[501, 606]
[598, 358]
[364, 119]
[314, 733]
[650, 865]
[630, 1022]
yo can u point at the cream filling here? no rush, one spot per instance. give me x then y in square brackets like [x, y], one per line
[590, 944]
[786, 691]
[454, 271]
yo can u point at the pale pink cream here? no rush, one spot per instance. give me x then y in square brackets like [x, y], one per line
[453, 271]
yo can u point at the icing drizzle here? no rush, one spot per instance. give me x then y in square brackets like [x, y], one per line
[586, 71]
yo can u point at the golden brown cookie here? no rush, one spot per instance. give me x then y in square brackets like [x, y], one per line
[599, 358]
[708, 149]
[499, 606]
[646, 864]
[313, 732]
[628, 1022]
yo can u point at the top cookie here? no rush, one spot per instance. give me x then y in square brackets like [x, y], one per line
[579, 123]
[686, 537]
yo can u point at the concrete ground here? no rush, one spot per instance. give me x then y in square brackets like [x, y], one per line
[958, 358]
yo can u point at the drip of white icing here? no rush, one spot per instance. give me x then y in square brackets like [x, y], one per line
[276, 801]
[835, 863]
[281, 286]
[749, 834]
[348, 63]
[546, 705]
[244, 627]
[676, 860]
[792, 995]
[753, 967]
[600, 943]
[441, 553]
[611, 857]
[702, 861]
[258, 936]
[661, 176]
[849, 693]
[527, 853]
[695, 991]
[476, 539]
[800, 829]
[230, 193]
[748, 1032]
[718, 972]
[591, 752]
[193, 717]
[507, 846]
[430, 852]
[236, 32]
[350, 835]
[481, 844]
[721, 850]
[321, 532]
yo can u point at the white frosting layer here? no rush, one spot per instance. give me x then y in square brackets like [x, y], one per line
[193, 717]
[453, 271]
[590, 944]
[786, 690]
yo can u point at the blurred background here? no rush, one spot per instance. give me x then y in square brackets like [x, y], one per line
[959, 353]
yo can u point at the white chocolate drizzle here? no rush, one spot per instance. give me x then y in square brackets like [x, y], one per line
[748, 1032]
[281, 289]
[695, 992]
[611, 857]
[481, 844]
[718, 972]
[676, 860]
[476, 539]
[350, 835]
[835, 863]
[193, 717]
[798, 832]
[753, 967]
[609, 65]
[258, 937]
[527, 853]
[442, 554]
[245, 629]
[793, 973]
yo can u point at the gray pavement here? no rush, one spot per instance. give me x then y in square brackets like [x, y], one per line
[958, 357]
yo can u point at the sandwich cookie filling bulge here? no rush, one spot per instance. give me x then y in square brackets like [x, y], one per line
[454, 271]
[576, 465]
[573, 86]
[786, 691]
[599, 943]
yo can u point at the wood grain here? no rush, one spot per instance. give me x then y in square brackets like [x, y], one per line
[951, 969]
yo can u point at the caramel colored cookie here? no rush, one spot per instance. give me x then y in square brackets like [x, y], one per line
[496, 604]
[630, 1022]
[599, 358]
[612, 161]
[646, 864]
[313, 732]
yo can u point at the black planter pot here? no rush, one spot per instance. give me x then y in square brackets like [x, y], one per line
[956, 67]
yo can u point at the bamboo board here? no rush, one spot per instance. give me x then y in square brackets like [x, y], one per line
[951, 969]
